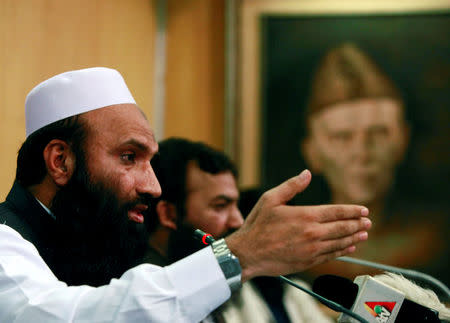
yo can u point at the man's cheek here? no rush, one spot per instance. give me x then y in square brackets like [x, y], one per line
[215, 222]
[322, 158]
[386, 156]
[333, 165]
[123, 185]
[331, 153]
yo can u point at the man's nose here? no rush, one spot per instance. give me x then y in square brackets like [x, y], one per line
[148, 183]
[362, 147]
[235, 219]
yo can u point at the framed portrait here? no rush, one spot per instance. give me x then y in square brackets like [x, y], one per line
[280, 45]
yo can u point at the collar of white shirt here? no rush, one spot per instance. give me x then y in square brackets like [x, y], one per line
[46, 209]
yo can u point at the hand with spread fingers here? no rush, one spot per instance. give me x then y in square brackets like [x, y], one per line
[278, 239]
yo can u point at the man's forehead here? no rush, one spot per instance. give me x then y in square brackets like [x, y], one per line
[121, 114]
[356, 114]
[122, 122]
[199, 180]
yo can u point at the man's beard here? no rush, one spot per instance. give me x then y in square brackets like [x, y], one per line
[182, 242]
[96, 240]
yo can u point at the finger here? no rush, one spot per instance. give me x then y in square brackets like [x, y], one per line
[331, 246]
[341, 229]
[333, 255]
[329, 213]
[288, 189]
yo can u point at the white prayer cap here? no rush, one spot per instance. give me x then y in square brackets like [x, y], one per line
[72, 93]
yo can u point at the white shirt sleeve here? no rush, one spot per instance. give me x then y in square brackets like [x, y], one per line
[186, 291]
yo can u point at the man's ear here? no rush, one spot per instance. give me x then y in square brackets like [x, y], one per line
[60, 161]
[167, 214]
[311, 155]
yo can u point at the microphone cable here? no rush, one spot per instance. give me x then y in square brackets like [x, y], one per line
[208, 239]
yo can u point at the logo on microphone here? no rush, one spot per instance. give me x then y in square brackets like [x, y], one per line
[380, 310]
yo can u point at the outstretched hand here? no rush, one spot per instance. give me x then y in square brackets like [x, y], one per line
[278, 239]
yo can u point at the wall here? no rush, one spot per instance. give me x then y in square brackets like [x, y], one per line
[39, 39]
[195, 70]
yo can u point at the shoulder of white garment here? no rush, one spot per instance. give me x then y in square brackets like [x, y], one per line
[302, 307]
[186, 291]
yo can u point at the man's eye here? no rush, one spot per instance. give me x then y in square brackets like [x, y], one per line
[128, 157]
[220, 206]
[379, 132]
[341, 136]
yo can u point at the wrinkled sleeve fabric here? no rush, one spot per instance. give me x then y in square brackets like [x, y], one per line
[186, 291]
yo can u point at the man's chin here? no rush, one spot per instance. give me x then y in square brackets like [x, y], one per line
[362, 197]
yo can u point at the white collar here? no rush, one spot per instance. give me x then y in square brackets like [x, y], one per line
[46, 209]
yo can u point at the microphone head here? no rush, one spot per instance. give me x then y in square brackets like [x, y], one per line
[372, 299]
[338, 289]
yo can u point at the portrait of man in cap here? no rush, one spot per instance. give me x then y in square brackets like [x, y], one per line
[352, 76]
[357, 136]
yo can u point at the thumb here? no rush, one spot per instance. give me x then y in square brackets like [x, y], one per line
[288, 189]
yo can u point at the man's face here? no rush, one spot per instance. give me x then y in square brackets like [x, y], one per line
[356, 146]
[211, 201]
[119, 147]
[111, 185]
[211, 206]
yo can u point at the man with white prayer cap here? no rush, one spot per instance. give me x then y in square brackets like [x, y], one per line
[73, 219]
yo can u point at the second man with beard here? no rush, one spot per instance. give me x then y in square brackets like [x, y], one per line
[199, 190]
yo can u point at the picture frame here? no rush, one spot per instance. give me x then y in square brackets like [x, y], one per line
[256, 20]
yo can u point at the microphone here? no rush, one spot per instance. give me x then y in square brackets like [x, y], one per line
[373, 300]
[413, 274]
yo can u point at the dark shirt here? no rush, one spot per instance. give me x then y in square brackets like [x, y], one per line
[23, 213]
[154, 257]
